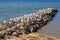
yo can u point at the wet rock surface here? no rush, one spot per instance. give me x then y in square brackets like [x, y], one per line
[26, 24]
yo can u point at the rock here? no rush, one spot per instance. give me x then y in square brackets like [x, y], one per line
[32, 28]
[26, 24]
[14, 34]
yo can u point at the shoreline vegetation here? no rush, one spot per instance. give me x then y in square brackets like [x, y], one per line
[26, 24]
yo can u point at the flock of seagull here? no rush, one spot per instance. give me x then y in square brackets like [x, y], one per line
[26, 24]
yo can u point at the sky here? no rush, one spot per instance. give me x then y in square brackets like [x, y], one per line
[29, 0]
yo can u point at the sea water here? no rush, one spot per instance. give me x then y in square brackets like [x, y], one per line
[17, 9]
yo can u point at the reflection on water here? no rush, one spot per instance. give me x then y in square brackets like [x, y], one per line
[53, 27]
[8, 10]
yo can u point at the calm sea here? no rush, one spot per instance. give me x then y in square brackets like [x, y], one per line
[16, 9]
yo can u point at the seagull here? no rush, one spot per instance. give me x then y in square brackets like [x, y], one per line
[22, 19]
[11, 19]
[4, 21]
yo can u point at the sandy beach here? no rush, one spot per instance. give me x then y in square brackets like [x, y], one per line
[33, 36]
